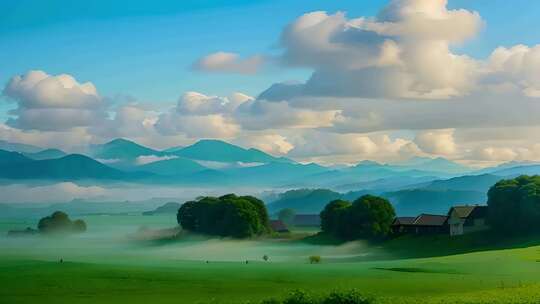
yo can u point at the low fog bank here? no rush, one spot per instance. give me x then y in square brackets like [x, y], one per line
[59, 192]
[35, 200]
[116, 240]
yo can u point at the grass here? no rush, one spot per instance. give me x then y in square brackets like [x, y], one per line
[95, 271]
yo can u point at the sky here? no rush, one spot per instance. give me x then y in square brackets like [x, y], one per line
[325, 81]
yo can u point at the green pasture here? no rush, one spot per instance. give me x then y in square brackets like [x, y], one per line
[107, 267]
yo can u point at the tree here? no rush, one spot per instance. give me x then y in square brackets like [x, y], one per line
[514, 205]
[79, 226]
[333, 215]
[228, 215]
[315, 259]
[287, 216]
[367, 217]
[60, 222]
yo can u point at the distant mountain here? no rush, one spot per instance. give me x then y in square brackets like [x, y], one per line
[438, 164]
[12, 158]
[220, 151]
[173, 167]
[168, 208]
[304, 200]
[121, 149]
[274, 173]
[507, 165]
[364, 172]
[69, 167]
[520, 170]
[480, 183]
[16, 147]
[173, 149]
[46, 154]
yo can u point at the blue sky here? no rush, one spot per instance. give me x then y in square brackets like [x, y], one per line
[146, 49]
[370, 110]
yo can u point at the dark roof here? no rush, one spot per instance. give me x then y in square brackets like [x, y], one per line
[404, 220]
[465, 212]
[307, 220]
[278, 226]
[430, 220]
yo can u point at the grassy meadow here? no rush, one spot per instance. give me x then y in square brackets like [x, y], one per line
[109, 264]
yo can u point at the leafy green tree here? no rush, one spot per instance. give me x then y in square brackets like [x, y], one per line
[60, 222]
[287, 216]
[333, 216]
[514, 205]
[367, 217]
[79, 226]
[228, 215]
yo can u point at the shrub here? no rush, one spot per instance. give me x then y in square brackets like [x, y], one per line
[336, 297]
[314, 259]
[347, 297]
[299, 297]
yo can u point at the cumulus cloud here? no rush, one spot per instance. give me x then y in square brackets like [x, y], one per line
[403, 52]
[519, 66]
[351, 148]
[438, 142]
[223, 62]
[270, 143]
[53, 103]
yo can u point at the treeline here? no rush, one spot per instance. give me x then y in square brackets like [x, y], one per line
[366, 218]
[226, 216]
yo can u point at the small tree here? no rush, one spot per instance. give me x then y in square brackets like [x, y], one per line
[79, 226]
[315, 259]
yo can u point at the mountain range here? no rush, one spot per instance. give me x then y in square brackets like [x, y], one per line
[215, 162]
[427, 184]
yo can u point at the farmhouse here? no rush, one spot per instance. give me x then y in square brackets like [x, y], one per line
[467, 219]
[278, 226]
[403, 225]
[307, 220]
[422, 224]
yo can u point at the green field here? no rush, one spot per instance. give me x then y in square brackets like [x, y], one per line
[105, 266]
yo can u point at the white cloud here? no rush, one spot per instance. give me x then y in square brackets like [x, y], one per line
[404, 52]
[148, 159]
[223, 62]
[53, 103]
[438, 142]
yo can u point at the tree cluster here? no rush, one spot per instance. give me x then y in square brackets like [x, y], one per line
[514, 205]
[60, 222]
[226, 216]
[366, 218]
